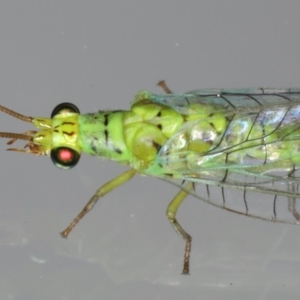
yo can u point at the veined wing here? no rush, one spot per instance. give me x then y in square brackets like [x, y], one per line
[264, 193]
[256, 151]
[229, 98]
[267, 203]
[263, 143]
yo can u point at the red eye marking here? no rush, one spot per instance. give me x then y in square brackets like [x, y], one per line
[65, 155]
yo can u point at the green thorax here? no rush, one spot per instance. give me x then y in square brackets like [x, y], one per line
[101, 134]
[130, 137]
[136, 137]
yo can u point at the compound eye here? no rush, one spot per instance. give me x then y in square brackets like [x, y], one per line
[64, 157]
[64, 108]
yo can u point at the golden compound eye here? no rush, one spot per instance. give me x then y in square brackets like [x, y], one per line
[64, 108]
[64, 157]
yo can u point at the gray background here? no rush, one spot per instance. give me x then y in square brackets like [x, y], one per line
[98, 54]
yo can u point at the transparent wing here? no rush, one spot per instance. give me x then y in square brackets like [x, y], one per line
[256, 155]
[277, 202]
[230, 98]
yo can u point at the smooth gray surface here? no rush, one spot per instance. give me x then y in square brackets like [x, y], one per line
[98, 54]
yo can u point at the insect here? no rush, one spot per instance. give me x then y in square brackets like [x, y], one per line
[244, 139]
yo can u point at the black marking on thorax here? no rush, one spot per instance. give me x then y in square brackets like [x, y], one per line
[108, 143]
[68, 133]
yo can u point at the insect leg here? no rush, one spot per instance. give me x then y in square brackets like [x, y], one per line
[171, 214]
[292, 208]
[292, 202]
[103, 190]
[164, 86]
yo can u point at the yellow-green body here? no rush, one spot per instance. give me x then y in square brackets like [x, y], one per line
[129, 137]
[247, 139]
[201, 141]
